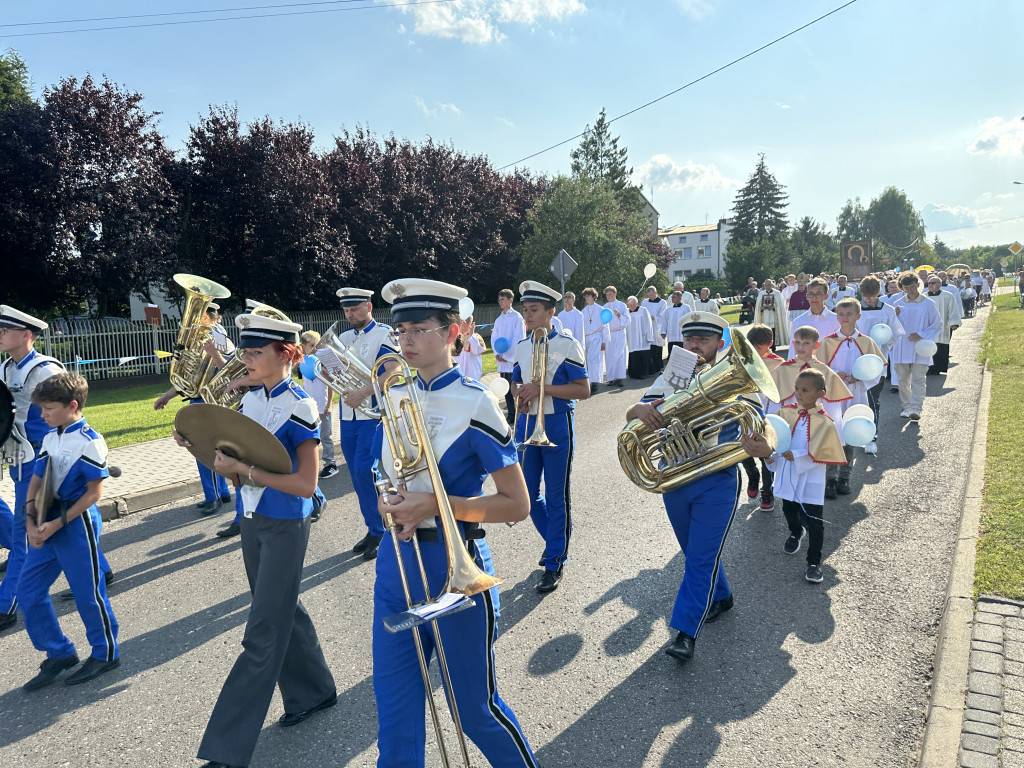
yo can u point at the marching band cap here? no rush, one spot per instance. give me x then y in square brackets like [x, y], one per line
[353, 297]
[214, 306]
[253, 304]
[415, 299]
[703, 324]
[531, 290]
[13, 318]
[258, 331]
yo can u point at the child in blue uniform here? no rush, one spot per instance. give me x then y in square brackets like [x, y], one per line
[280, 646]
[566, 382]
[472, 440]
[68, 539]
[701, 512]
[22, 371]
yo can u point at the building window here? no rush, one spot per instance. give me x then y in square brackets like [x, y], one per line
[677, 275]
[703, 238]
[703, 251]
[687, 272]
[687, 253]
[682, 238]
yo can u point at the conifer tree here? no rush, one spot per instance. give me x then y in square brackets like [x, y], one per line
[600, 158]
[759, 210]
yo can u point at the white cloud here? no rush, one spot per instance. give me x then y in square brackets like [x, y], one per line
[696, 9]
[505, 121]
[938, 216]
[401, 29]
[662, 172]
[780, 105]
[477, 21]
[999, 137]
[438, 107]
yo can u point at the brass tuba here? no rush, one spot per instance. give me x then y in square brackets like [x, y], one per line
[686, 448]
[538, 375]
[189, 362]
[404, 427]
[214, 389]
[350, 373]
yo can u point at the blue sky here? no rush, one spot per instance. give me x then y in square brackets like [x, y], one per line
[921, 94]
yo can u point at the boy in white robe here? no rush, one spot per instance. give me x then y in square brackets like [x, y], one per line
[595, 335]
[615, 348]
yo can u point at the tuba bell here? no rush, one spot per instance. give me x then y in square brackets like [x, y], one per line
[687, 448]
[349, 373]
[189, 362]
[214, 389]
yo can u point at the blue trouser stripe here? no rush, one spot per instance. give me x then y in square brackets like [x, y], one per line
[468, 638]
[550, 511]
[75, 551]
[18, 543]
[701, 514]
[356, 447]
[214, 486]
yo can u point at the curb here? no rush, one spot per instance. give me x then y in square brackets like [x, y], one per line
[940, 746]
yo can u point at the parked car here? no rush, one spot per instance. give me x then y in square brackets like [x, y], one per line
[80, 324]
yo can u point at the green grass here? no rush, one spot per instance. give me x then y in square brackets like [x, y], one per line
[1000, 563]
[126, 416]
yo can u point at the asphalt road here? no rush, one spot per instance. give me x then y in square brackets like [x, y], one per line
[795, 675]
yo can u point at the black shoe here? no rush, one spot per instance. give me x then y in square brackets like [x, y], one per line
[318, 510]
[792, 545]
[843, 487]
[91, 669]
[294, 718]
[108, 578]
[682, 647]
[49, 670]
[767, 500]
[8, 620]
[830, 489]
[215, 764]
[329, 470]
[370, 553]
[225, 499]
[593, 389]
[718, 608]
[549, 581]
[814, 574]
[208, 507]
[363, 543]
[232, 530]
[752, 489]
[542, 560]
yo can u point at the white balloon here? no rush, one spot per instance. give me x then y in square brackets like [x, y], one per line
[881, 334]
[466, 307]
[499, 387]
[650, 270]
[782, 432]
[926, 347]
[868, 367]
[858, 431]
[860, 410]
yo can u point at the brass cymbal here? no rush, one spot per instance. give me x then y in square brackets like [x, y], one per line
[212, 427]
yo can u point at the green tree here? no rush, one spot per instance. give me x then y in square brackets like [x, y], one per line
[611, 245]
[15, 87]
[759, 209]
[851, 224]
[814, 248]
[600, 158]
[943, 252]
[762, 258]
[896, 229]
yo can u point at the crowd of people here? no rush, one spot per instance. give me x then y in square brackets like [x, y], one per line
[527, 451]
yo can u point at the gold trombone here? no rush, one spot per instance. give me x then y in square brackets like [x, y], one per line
[409, 441]
[539, 376]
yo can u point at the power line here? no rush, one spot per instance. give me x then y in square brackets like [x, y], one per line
[177, 13]
[684, 87]
[370, 7]
[979, 224]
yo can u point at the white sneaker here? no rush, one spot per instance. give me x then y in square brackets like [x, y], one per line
[905, 413]
[871, 448]
[915, 416]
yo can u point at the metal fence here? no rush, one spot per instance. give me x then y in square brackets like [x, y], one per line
[125, 349]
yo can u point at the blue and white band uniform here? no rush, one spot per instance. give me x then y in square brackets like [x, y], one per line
[471, 440]
[701, 514]
[368, 344]
[290, 414]
[20, 452]
[550, 511]
[79, 455]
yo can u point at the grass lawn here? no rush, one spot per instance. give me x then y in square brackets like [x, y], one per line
[126, 416]
[1000, 563]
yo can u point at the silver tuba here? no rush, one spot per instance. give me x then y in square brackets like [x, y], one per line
[349, 373]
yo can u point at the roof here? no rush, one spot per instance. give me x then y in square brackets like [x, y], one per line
[687, 230]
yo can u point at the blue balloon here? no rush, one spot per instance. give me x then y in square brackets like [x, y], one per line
[308, 367]
[606, 316]
[881, 334]
[726, 338]
[858, 431]
[868, 367]
[501, 345]
[782, 431]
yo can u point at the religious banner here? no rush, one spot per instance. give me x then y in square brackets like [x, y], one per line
[855, 259]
